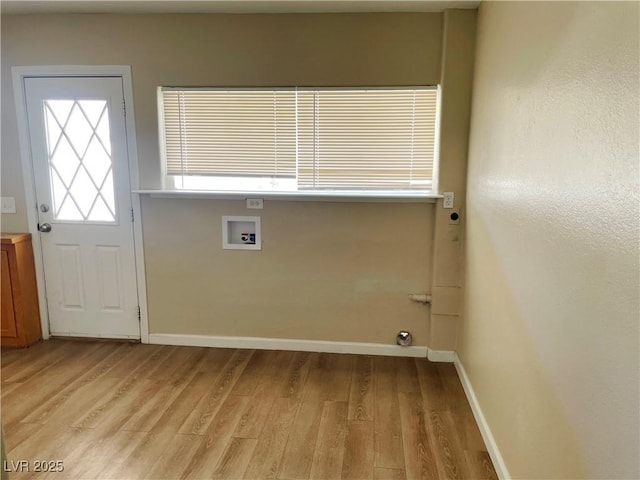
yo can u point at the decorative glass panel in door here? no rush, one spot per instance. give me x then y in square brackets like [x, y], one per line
[79, 157]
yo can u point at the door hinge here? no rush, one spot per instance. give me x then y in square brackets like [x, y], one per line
[139, 314]
[124, 107]
[132, 216]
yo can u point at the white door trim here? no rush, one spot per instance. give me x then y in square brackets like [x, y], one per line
[124, 72]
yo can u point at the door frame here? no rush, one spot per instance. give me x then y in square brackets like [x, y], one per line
[124, 72]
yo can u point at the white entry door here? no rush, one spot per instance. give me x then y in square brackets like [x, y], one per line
[78, 145]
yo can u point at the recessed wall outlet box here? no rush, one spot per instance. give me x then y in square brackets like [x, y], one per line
[241, 233]
[254, 203]
[447, 200]
[454, 216]
[8, 205]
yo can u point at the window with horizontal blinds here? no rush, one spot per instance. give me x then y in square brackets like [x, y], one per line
[330, 139]
[230, 132]
[366, 139]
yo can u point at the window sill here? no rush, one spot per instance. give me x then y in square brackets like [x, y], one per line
[365, 197]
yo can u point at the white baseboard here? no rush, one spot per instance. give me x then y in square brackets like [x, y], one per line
[485, 431]
[448, 356]
[289, 344]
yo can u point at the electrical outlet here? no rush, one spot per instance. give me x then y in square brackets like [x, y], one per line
[448, 200]
[255, 203]
[8, 205]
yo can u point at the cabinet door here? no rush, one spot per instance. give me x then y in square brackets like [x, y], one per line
[8, 316]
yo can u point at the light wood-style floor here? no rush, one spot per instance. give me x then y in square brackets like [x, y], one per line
[129, 411]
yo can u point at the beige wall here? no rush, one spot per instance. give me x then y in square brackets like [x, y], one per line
[550, 340]
[384, 251]
[326, 271]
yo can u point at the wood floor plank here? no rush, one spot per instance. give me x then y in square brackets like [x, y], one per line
[168, 387]
[176, 413]
[172, 368]
[145, 452]
[50, 441]
[18, 432]
[388, 474]
[270, 382]
[454, 392]
[388, 445]
[12, 355]
[362, 389]
[70, 368]
[204, 413]
[132, 354]
[161, 436]
[20, 371]
[448, 449]
[329, 449]
[277, 363]
[359, 453]
[252, 374]
[113, 413]
[175, 459]
[458, 405]
[298, 454]
[255, 416]
[420, 461]
[7, 389]
[77, 356]
[26, 400]
[267, 456]
[83, 400]
[217, 438]
[58, 399]
[480, 465]
[98, 451]
[152, 407]
[431, 386]
[117, 404]
[296, 374]
[215, 359]
[468, 430]
[235, 459]
[406, 375]
[338, 369]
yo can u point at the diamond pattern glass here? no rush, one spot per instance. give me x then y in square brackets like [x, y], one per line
[80, 163]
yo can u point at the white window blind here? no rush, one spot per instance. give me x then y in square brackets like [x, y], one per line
[323, 138]
[236, 132]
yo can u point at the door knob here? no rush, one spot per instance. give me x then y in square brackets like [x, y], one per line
[44, 227]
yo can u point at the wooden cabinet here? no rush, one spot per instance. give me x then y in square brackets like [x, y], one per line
[20, 315]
